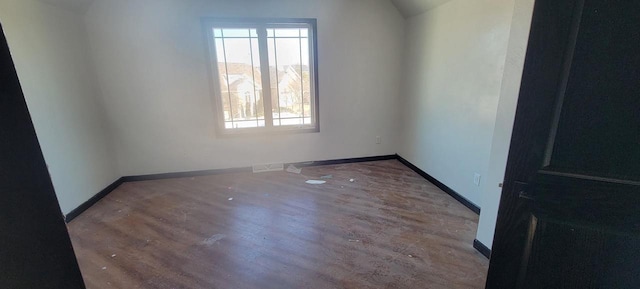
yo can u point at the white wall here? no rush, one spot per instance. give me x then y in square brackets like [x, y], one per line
[153, 71]
[455, 55]
[491, 193]
[48, 46]
[456, 116]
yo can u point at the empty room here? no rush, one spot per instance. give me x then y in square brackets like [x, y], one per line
[319, 144]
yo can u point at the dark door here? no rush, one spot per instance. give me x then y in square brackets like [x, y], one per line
[35, 250]
[570, 210]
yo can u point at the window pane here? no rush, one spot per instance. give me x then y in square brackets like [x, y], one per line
[287, 32]
[305, 52]
[290, 78]
[222, 73]
[240, 78]
[243, 124]
[235, 32]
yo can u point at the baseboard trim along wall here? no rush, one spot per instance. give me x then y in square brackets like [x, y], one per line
[189, 174]
[473, 207]
[484, 250]
[441, 186]
[345, 161]
[86, 205]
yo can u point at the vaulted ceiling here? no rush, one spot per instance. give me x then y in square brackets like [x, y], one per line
[410, 8]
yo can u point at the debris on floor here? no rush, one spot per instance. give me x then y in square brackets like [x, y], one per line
[113, 256]
[315, 182]
[352, 180]
[327, 177]
[293, 169]
[104, 268]
[213, 239]
[352, 240]
[230, 199]
[410, 256]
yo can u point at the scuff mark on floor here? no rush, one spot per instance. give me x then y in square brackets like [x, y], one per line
[213, 239]
[293, 169]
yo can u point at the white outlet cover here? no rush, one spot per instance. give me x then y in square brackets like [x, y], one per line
[476, 179]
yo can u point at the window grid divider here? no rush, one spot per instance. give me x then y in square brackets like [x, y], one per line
[275, 57]
[253, 80]
[266, 78]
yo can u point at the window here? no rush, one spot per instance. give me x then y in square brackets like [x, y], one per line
[264, 74]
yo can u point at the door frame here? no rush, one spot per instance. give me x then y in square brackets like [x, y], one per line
[36, 250]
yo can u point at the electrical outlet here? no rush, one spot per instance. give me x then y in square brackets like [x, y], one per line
[476, 179]
[378, 140]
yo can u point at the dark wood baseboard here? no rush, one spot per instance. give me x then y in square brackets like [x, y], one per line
[69, 217]
[440, 185]
[86, 205]
[280, 194]
[484, 250]
[248, 169]
[188, 174]
[345, 161]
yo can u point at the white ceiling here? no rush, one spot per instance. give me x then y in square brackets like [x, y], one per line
[74, 5]
[410, 8]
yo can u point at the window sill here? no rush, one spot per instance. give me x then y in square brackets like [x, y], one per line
[263, 131]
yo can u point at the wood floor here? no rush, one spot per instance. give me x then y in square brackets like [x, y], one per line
[389, 228]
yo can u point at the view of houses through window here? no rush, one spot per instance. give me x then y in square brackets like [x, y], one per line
[244, 98]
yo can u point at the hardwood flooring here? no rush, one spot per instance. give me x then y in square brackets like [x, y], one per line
[389, 228]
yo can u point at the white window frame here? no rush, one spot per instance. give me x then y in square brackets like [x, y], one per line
[261, 26]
